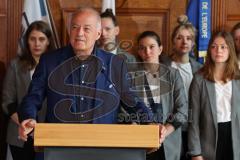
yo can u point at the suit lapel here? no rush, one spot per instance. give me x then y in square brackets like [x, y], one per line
[235, 97]
[194, 65]
[212, 94]
[139, 83]
[165, 84]
[25, 77]
[28, 78]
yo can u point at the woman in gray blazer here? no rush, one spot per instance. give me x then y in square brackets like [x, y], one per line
[183, 41]
[162, 90]
[37, 40]
[214, 128]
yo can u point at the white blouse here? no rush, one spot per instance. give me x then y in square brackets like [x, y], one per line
[154, 84]
[31, 73]
[223, 101]
[185, 72]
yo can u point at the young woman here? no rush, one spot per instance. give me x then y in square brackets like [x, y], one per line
[108, 40]
[162, 90]
[214, 126]
[183, 41]
[37, 40]
[236, 37]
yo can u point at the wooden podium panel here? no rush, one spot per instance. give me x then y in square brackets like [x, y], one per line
[96, 135]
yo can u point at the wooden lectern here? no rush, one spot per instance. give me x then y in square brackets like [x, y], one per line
[95, 141]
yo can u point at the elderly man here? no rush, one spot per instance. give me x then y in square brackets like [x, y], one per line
[82, 84]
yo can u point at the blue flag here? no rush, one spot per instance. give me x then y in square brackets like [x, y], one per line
[199, 14]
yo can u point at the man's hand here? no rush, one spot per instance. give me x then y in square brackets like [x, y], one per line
[25, 128]
[197, 158]
[149, 151]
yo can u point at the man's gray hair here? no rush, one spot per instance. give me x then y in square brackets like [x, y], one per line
[89, 10]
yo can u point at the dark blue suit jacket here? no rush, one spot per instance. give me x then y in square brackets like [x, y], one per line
[81, 91]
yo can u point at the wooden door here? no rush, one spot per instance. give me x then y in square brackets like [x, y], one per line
[134, 17]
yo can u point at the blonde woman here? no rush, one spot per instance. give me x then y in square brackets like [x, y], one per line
[183, 41]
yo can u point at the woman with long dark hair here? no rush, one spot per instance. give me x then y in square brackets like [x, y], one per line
[162, 89]
[37, 40]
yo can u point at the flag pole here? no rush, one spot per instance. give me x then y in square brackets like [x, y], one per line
[54, 30]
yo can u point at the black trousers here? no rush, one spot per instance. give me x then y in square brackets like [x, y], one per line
[224, 142]
[25, 153]
[184, 146]
[158, 155]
